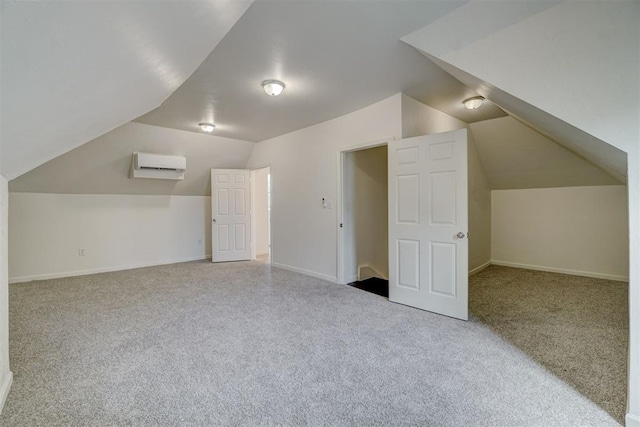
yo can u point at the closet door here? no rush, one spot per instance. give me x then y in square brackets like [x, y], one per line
[428, 223]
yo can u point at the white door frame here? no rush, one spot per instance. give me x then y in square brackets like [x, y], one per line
[340, 202]
[253, 216]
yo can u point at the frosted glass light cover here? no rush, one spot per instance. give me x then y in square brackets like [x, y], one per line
[473, 103]
[207, 127]
[273, 87]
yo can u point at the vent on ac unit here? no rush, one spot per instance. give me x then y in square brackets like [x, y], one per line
[158, 166]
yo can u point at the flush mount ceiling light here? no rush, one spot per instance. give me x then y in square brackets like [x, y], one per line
[273, 87]
[207, 127]
[473, 103]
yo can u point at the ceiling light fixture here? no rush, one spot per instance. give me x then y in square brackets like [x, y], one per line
[207, 127]
[473, 103]
[273, 87]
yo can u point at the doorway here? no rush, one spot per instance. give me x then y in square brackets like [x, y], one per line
[364, 203]
[261, 180]
[427, 222]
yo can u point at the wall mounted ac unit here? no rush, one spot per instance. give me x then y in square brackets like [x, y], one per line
[158, 166]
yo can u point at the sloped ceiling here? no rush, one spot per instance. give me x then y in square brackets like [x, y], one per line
[334, 56]
[72, 71]
[102, 165]
[515, 156]
[83, 69]
[600, 153]
[539, 66]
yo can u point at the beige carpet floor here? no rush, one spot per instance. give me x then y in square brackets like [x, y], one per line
[202, 344]
[576, 327]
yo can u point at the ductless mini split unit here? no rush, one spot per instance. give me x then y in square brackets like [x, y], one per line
[158, 166]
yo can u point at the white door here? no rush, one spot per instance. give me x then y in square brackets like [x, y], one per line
[230, 215]
[428, 245]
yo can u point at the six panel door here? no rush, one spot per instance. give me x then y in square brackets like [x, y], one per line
[231, 215]
[428, 223]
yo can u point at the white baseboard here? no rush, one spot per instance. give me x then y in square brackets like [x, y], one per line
[632, 420]
[21, 279]
[480, 268]
[373, 272]
[4, 389]
[561, 270]
[262, 253]
[331, 279]
[351, 278]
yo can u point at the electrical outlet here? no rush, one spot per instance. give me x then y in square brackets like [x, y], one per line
[81, 252]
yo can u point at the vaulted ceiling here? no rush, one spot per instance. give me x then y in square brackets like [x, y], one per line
[334, 57]
[536, 58]
[72, 71]
[516, 156]
[102, 166]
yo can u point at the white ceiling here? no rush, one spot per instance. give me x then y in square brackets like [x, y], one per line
[334, 56]
[568, 31]
[516, 156]
[72, 71]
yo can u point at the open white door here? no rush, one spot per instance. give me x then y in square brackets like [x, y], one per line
[428, 246]
[230, 215]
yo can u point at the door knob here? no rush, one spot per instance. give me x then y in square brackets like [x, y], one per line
[214, 220]
[460, 235]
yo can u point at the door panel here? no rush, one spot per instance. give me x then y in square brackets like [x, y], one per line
[443, 199]
[231, 215]
[408, 199]
[240, 235]
[442, 264]
[409, 263]
[428, 259]
[222, 196]
[223, 237]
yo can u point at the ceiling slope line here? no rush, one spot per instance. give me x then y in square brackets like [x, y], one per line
[81, 69]
[601, 154]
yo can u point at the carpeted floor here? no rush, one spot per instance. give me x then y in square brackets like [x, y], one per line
[576, 327]
[247, 344]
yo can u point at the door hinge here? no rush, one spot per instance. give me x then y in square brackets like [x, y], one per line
[340, 225]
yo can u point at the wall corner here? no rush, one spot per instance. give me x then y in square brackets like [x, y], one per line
[632, 420]
[5, 374]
